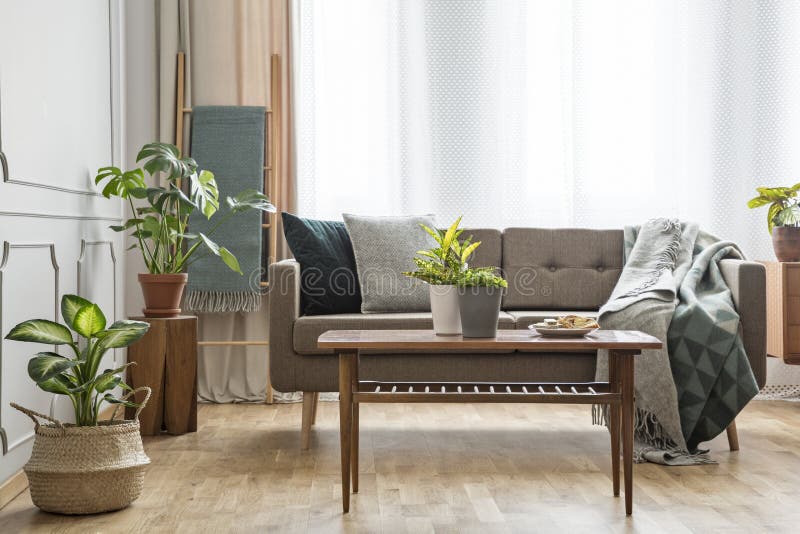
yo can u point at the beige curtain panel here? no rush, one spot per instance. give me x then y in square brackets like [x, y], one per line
[228, 46]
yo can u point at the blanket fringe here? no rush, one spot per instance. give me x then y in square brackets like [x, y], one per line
[666, 260]
[222, 301]
[647, 430]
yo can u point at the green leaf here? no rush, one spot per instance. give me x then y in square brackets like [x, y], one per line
[450, 235]
[433, 233]
[210, 245]
[164, 157]
[110, 378]
[58, 385]
[250, 199]
[204, 192]
[128, 224]
[120, 183]
[46, 365]
[111, 399]
[70, 304]
[107, 381]
[121, 334]
[89, 320]
[772, 214]
[230, 260]
[465, 254]
[41, 331]
[757, 202]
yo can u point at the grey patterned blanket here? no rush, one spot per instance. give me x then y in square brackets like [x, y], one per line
[671, 287]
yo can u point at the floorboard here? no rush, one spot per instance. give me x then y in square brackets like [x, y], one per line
[444, 468]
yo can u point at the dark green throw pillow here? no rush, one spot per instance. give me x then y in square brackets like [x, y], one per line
[328, 275]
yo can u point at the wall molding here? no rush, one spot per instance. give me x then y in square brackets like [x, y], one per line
[112, 123]
[7, 248]
[79, 287]
[58, 216]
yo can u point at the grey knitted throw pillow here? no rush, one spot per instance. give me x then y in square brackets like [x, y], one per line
[384, 247]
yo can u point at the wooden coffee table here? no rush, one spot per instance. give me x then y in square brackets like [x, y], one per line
[623, 345]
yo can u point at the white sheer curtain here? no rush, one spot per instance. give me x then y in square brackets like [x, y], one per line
[547, 113]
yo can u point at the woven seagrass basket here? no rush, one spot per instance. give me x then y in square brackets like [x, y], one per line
[86, 469]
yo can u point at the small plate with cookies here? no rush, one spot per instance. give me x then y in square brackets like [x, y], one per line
[566, 326]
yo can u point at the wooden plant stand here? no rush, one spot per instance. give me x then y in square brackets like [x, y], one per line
[617, 393]
[166, 361]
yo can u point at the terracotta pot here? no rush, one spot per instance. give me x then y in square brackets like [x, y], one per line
[786, 242]
[162, 293]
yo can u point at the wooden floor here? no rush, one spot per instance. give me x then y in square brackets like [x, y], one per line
[444, 468]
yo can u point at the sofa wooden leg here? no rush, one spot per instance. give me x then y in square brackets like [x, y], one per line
[733, 436]
[315, 404]
[308, 418]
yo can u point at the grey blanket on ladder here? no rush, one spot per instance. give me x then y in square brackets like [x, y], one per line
[228, 141]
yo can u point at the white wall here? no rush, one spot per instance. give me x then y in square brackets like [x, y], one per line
[60, 119]
[140, 108]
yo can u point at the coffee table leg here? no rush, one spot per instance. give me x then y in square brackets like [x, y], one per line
[354, 439]
[613, 419]
[346, 365]
[626, 375]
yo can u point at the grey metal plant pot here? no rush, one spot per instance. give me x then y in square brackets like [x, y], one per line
[480, 310]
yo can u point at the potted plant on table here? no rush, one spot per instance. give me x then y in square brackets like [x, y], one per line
[160, 226]
[479, 296]
[90, 466]
[783, 219]
[440, 268]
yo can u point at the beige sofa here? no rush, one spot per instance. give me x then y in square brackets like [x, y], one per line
[550, 272]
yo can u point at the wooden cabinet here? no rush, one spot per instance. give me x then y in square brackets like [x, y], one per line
[166, 361]
[783, 310]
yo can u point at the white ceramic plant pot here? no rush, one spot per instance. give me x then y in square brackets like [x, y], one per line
[445, 310]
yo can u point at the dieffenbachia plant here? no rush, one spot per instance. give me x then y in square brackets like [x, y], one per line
[160, 227]
[79, 377]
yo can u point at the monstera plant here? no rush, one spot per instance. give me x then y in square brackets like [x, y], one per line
[88, 337]
[160, 221]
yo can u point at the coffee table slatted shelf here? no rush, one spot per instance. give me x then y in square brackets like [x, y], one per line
[617, 393]
[505, 392]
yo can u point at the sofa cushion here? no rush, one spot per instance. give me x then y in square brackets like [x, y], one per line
[328, 280]
[549, 269]
[490, 252]
[384, 248]
[525, 318]
[307, 329]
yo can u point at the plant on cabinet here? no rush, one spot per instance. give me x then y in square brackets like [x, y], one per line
[160, 225]
[783, 219]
